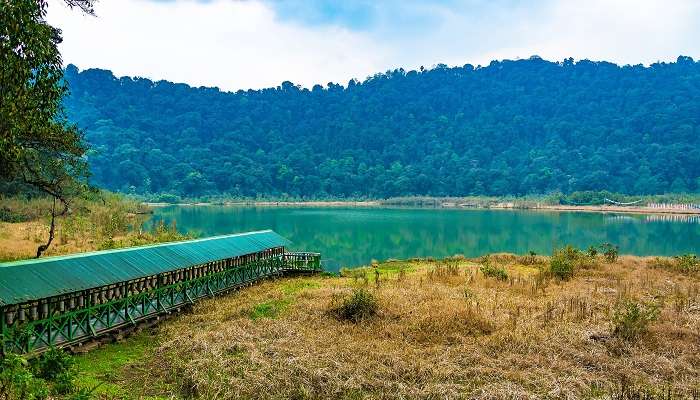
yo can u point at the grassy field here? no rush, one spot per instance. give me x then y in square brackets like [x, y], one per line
[107, 222]
[572, 326]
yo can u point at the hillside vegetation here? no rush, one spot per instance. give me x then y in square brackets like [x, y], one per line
[509, 128]
[574, 325]
[99, 222]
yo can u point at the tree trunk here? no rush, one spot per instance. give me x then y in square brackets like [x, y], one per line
[52, 229]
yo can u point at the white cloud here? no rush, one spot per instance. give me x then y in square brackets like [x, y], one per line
[622, 31]
[239, 45]
[233, 45]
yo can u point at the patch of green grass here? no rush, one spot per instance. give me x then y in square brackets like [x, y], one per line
[269, 309]
[386, 269]
[298, 285]
[100, 368]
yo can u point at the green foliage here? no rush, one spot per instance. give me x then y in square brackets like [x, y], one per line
[592, 251]
[6, 215]
[537, 127]
[564, 262]
[58, 367]
[17, 382]
[631, 320]
[687, 263]
[168, 198]
[610, 252]
[54, 363]
[684, 264]
[52, 373]
[359, 306]
[492, 271]
[38, 147]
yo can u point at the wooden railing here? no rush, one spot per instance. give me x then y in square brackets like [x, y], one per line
[302, 261]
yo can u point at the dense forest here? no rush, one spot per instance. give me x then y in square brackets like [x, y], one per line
[510, 128]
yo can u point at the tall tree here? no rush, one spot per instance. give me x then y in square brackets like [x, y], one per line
[39, 149]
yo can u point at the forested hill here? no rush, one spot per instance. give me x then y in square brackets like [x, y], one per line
[513, 127]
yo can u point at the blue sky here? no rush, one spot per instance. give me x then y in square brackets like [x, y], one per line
[240, 44]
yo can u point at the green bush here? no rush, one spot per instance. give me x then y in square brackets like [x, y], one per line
[17, 382]
[592, 251]
[631, 320]
[52, 373]
[563, 262]
[7, 215]
[54, 363]
[491, 271]
[610, 252]
[359, 306]
[687, 263]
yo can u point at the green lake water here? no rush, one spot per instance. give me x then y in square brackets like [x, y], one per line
[355, 236]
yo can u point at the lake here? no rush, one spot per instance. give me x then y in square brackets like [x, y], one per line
[355, 236]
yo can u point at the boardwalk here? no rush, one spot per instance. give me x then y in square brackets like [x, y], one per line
[64, 301]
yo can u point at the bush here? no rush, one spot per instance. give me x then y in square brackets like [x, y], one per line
[491, 271]
[359, 306]
[17, 382]
[53, 372]
[610, 252]
[54, 363]
[563, 262]
[592, 251]
[631, 320]
[687, 263]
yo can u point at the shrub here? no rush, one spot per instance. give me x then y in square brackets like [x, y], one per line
[491, 271]
[359, 306]
[687, 263]
[563, 261]
[592, 251]
[566, 260]
[17, 381]
[631, 320]
[54, 363]
[610, 252]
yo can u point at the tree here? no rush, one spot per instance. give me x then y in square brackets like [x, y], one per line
[39, 150]
[512, 128]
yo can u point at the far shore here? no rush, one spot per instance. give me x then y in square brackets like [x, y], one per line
[447, 205]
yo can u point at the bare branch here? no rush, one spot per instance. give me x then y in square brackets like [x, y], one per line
[86, 6]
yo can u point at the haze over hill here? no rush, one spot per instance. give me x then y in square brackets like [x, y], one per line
[513, 127]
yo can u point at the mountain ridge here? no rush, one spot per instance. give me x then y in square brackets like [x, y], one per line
[510, 128]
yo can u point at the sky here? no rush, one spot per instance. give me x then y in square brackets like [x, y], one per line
[252, 44]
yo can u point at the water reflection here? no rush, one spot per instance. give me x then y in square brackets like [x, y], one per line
[354, 236]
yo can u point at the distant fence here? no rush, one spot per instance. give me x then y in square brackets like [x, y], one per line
[674, 206]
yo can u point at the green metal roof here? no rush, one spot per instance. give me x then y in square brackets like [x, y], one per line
[27, 280]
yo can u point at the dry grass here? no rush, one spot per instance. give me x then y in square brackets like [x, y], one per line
[110, 222]
[443, 330]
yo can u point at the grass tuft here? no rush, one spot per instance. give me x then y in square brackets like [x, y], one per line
[361, 305]
[631, 320]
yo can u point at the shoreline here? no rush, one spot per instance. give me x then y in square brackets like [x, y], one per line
[445, 205]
